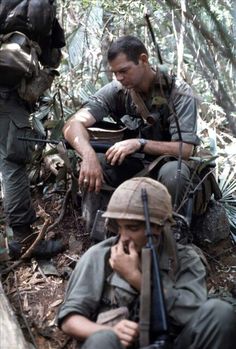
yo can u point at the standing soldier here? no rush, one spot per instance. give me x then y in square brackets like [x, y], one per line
[34, 23]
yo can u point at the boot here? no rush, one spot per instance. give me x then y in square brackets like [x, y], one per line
[23, 237]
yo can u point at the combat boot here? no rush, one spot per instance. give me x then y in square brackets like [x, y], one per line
[23, 237]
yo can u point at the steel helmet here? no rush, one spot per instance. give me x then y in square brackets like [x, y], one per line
[126, 201]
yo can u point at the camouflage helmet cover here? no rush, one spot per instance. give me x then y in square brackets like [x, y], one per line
[126, 201]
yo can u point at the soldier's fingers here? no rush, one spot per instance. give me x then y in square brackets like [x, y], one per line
[111, 262]
[124, 343]
[120, 247]
[121, 158]
[114, 158]
[90, 183]
[132, 248]
[81, 178]
[110, 153]
[131, 325]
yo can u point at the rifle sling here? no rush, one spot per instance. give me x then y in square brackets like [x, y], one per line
[158, 161]
[145, 299]
[141, 106]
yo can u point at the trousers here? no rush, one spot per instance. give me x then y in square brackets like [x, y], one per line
[212, 327]
[14, 156]
[115, 175]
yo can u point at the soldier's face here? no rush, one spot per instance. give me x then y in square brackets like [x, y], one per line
[129, 74]
[131, 230]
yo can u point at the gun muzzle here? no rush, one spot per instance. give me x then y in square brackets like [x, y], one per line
[152, 119]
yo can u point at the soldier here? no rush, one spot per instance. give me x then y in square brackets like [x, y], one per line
[29, 19]
[108, 276]
[152, 126]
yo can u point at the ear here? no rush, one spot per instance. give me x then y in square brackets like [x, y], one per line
[143, 58]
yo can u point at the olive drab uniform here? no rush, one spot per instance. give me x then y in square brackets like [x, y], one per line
[15, 111]
[116, 101]
[94, 288]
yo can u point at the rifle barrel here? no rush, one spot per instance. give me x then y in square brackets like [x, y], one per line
[99, 147]
[159, 315]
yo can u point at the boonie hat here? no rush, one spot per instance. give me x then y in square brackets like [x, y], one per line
[126, 201]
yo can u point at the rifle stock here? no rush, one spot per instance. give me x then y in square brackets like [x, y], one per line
[159, 331]
[98, 146]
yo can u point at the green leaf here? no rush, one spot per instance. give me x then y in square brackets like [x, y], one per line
[38, 126]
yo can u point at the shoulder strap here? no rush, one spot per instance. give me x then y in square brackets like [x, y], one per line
[141, 106]
[164, 80]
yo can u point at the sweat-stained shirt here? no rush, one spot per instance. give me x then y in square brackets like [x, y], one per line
[94, 287]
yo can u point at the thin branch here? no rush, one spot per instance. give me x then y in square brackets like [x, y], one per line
[40, 236]
[28, 253]
[62, 213]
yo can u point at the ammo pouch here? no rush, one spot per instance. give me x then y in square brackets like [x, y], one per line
[18, 58]
[30, 90]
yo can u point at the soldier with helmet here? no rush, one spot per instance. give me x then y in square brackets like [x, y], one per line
[104, 289]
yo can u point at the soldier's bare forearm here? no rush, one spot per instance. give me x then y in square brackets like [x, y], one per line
[170, 148]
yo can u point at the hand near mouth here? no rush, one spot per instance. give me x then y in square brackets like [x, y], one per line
[126, 264]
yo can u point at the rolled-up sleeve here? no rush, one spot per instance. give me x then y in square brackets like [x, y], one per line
[106, 102]
[85, 285]
[185, 107]
[189, 291]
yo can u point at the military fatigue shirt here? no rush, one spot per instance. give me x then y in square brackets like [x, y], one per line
[115, 101]
[94, 287]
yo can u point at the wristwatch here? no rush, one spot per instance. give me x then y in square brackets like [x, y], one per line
[142, 142]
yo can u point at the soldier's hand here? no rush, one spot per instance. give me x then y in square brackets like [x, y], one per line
[91, 175]
[116, 154]
[127, 331]
[119, 260]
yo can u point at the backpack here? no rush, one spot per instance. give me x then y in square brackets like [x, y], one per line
[205, 186]
[34, 18]
[18, 58]
[27, 27]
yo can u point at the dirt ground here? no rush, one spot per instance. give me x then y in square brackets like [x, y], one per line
[35, 295]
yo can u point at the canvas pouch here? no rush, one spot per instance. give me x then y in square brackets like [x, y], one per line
[30, 90]
[113, 316]
[18, 58]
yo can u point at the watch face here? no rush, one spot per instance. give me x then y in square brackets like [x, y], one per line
[142, 143]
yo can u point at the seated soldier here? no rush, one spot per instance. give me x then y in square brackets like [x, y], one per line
[152, 125]
[108, 276]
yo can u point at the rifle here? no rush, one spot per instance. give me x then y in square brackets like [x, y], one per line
[98, 146]
[155, 329]
[171, 107]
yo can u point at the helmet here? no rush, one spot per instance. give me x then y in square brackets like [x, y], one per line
[126, 201]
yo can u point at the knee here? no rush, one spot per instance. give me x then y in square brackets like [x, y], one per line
[168, 175]
[103, 339]
[222, 311]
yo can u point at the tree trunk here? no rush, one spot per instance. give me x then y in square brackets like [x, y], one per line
[11, 336]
